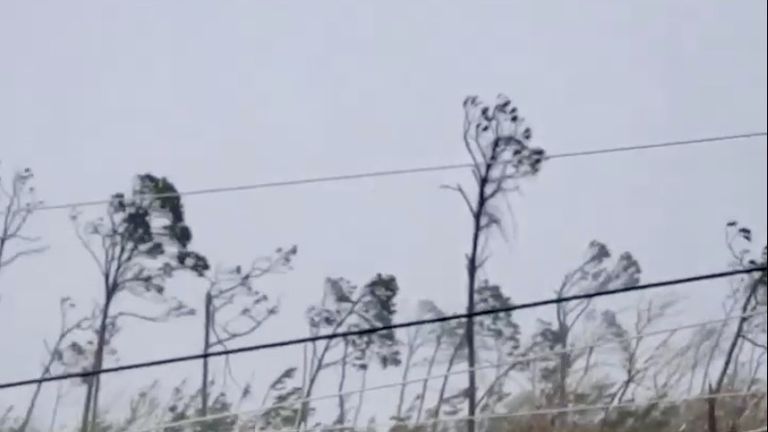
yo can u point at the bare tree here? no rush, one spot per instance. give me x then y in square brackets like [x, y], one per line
[140, 243]
[68, 330]
[346, 307]
[497, 141]
[235, 308]
[753, 290]
[593, 275]
[17, 203]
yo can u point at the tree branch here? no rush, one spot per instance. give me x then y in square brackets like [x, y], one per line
[463, 194]
[22, 253]
[754, 342]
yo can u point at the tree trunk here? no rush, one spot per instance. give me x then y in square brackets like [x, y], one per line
[729, 357]
[713, 351]
[360, 398]
[316, 368]
[341, 416]
[425, 383]
[55, 413]
[563, 369]
[472, 268]
[33, 401]
[444, 385]
[92, 392]
[206, 346]
[404, 378]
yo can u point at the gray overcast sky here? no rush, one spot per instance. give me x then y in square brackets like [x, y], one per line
[231, 92]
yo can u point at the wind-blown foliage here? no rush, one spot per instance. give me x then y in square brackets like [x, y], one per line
[141, 242]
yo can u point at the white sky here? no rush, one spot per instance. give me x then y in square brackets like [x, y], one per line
[225, 93]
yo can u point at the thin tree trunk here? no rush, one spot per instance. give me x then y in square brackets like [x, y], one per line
[712, 402]
[444, 385]
[304, 411]
[33, 401]
[404, 378]
[472, 268]
[341, 416]
[425, 383]
[694, 367]
[564, 365]
[55, 413]
[711, 356]
[360, 398]
[92, 393]
[206, 347]
[318, 366]
[63, 333]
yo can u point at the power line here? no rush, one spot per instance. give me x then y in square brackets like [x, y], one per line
[414, 170]
[361, 332]
[516, 361]
[548, 411]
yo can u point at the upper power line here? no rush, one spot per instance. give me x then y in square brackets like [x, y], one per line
[414, 170]
[371, 330]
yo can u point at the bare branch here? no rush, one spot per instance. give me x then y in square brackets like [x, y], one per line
[87, 246]
[463, 194]
[753, 342]
[148, 318]
[23, 253]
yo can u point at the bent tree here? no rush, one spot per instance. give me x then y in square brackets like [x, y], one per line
[498, 143]
[141, 242]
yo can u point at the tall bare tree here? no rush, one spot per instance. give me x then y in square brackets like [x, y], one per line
[140, 243]
[497, 141]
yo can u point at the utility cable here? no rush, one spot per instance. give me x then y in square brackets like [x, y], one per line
[404, 171]
[516, 360]
[367, 331]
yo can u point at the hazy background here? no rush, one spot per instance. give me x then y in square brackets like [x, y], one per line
[235, 92]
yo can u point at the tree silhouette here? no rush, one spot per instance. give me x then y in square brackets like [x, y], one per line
[594, 274]
[497, 141]
[140, 243]
[345, 306]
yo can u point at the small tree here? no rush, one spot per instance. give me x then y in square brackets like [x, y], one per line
[593, 275]
[235, 308]
[497, 141]
[141, 242]
[750, 296]
[69, 332]
[346, 307]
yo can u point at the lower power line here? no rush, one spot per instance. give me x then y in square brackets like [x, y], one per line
[361, 332]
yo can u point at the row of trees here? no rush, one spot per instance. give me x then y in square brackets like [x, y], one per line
[582, 355]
